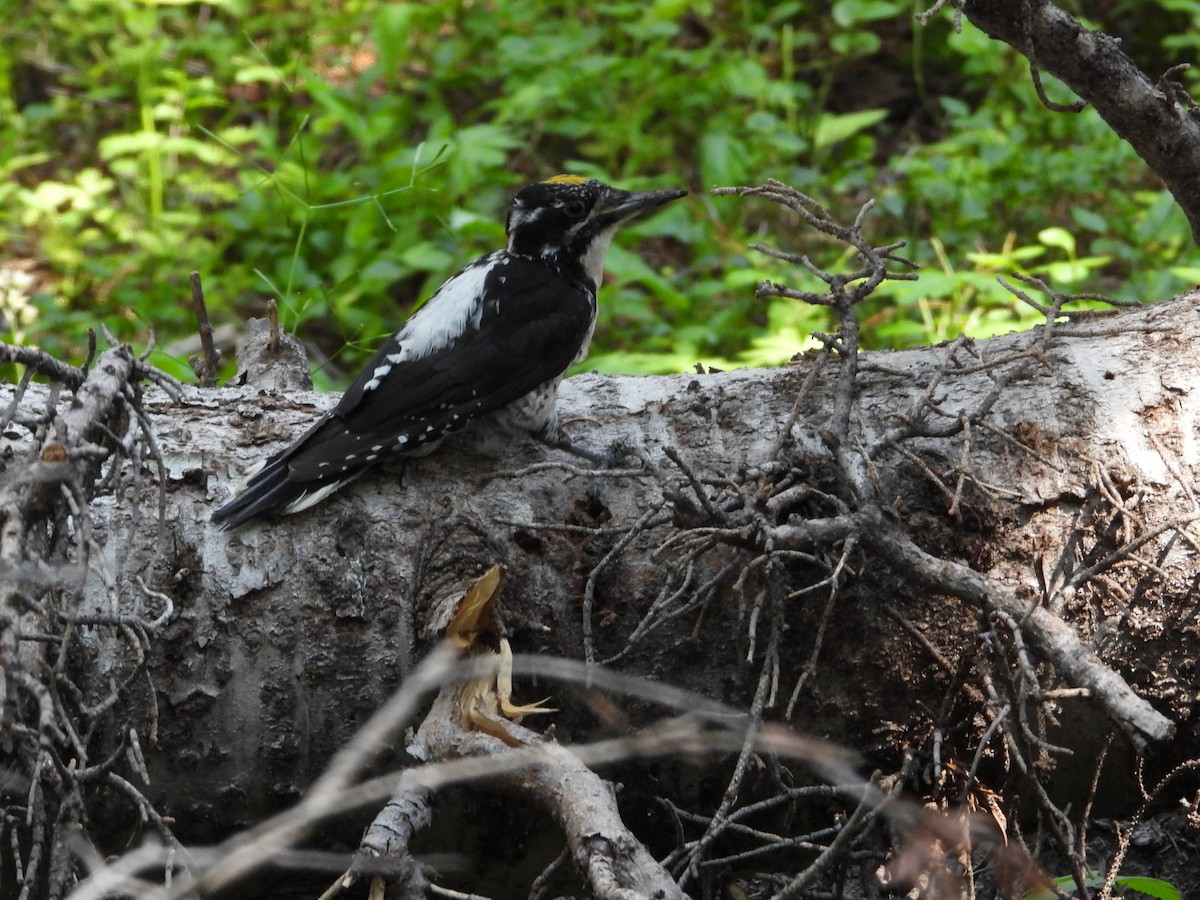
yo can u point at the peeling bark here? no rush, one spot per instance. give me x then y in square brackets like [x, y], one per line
[1071, 501]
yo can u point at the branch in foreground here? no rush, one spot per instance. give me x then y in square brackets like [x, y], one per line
[47, 561]
[476, 718]
[706, 729]
[1054, 640]
[612, 861]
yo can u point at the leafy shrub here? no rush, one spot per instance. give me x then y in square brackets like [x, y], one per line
[348, 171]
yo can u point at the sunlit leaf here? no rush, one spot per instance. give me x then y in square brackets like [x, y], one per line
[833, 128]
[852, 12]
[1058, 237]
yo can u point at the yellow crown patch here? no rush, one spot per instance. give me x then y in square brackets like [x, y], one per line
[565, 179]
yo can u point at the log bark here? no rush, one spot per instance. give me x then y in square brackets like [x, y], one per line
[1059, 524]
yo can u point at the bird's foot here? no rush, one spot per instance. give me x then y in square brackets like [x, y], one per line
[617, 453]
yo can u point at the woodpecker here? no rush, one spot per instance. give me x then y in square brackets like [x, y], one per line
[495, 339]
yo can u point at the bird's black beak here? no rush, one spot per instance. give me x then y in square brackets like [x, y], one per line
[621, 206]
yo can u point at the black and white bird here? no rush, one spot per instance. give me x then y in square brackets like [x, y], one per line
[494, 340]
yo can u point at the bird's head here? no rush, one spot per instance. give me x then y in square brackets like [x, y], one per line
[569, 221]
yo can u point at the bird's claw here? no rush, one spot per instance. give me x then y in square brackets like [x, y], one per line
[612, 458]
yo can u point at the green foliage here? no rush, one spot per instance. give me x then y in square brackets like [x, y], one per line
[348, 171]
[1130, 886]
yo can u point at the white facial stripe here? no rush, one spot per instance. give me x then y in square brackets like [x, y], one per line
[593, 258]
[520, 216]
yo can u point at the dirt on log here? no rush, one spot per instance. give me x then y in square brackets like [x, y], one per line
[731, 554]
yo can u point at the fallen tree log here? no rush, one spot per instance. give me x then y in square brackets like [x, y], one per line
[1005, 541]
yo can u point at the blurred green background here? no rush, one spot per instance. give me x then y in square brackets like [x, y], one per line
[346, 157]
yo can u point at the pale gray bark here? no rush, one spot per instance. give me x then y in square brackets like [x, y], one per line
[287, 599]
[1067, 511]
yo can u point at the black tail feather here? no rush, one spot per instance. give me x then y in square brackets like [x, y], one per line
[268, 491]
[294, 479]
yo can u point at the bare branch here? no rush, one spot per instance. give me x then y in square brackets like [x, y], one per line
[1157, 126]
[206, 367]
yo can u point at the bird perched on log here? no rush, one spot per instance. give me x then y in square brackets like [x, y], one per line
[494, 340]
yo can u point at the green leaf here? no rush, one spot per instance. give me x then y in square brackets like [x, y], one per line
[1089, 220]
[1069, 271]
[832, 128]
[20, 161]
[1008, 260]
[1151, 887]
[723, 158]
[1058, 237]
[118, 145]
[427, 257]
[851, 12]
[229, 4]
[673, 10]
[855, 43]
[256, 73]
[383, 270]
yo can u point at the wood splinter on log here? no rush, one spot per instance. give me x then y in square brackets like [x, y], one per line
[477, 718]
[485, 703]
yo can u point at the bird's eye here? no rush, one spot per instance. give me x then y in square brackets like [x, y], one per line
[575, 209]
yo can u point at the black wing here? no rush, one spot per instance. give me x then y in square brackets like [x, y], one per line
[456, 359]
